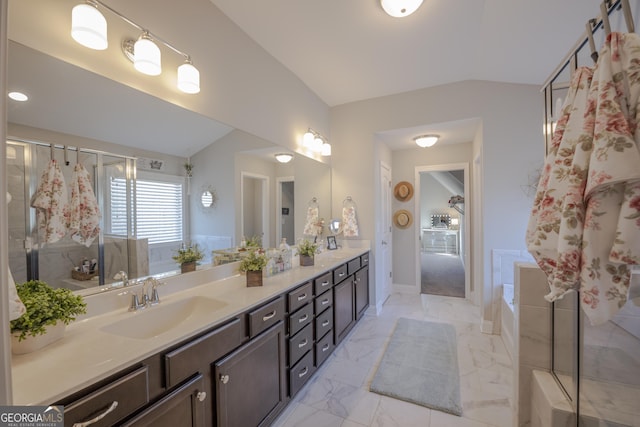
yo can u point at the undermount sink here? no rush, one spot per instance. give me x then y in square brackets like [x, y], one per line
[156, 320]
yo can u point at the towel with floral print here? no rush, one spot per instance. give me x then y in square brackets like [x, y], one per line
[84, 212]
[349, 222]
[311, 227]
[50, 201]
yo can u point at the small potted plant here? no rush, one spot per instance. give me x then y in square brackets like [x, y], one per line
[307, 251]
[252, 264]
[187, 256]
[48, 311]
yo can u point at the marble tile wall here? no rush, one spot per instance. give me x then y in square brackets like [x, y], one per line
[502, 271]
[532, 335]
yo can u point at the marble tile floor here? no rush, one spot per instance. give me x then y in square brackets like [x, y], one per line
[339, 395]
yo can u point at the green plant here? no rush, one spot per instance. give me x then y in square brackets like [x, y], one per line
[307, 248]
[45, 306]
[253, 261]
[188, 253]
[254, 242]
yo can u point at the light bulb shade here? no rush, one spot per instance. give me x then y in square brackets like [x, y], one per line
[307, 139]
[146, 57]
[188, 78]
[326, 149]
[400, 8]
[284, 157]
[317, 144]
[88, 27]
[426, 140]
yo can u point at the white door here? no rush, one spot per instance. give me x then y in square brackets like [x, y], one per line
[384, 260]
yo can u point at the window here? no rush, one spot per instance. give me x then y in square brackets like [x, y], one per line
[158, 207]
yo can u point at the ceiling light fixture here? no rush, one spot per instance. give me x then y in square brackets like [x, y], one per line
[284, 157]
[89, 28]
[400, 8]
[426, 140]
[18, 96]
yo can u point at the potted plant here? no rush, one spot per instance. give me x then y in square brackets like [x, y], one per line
[48, 311]
[307, 251]
[252, 264]
[187, 256]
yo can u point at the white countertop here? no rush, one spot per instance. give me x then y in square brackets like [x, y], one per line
[87, 354]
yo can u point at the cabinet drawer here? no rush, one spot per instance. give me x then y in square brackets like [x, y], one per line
[323, 349]
[300, 373]
[300, 344]
[299, 297]
[339, 274]
[323, 301]
[266, 316]
[300, 319]
[117, 400]
[353, 265]
[185, 361]
[324, 323]
[323, 283]
[364, 259]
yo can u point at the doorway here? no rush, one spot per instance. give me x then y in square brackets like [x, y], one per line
[255, 207]
[443, 230]
[285, 210]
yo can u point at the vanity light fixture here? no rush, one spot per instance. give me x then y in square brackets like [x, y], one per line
[400, 8]
[308, 138]
[89, 28]
[326, 149]
[426, 140]
[315, 142]
[283, 157]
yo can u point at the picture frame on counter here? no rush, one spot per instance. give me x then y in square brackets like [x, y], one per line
[331, 243]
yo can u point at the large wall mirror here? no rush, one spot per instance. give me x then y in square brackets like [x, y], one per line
[128, 142]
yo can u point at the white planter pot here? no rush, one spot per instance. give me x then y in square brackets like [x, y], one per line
[30, 343]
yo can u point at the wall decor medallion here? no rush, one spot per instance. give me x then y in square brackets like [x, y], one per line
[403, 191]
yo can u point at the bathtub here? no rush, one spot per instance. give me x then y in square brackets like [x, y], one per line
[507, 318]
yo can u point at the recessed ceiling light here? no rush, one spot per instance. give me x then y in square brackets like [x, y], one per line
[18, 96]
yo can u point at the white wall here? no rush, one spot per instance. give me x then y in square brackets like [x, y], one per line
[511, 144]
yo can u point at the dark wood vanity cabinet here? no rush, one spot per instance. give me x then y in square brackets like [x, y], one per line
[241, 372]
[250, 383]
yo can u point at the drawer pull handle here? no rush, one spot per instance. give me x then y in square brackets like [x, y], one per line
[341, 274]
[201, 396]
[303, 318]
[325, 348]
[303, 343]
[110, 409]
[323, 284]
[304, 372]
[325, 323]
[301, 297]
[224, 379]
[325, 301]
[269, 316]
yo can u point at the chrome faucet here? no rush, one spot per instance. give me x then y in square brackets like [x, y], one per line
[138, 302]
[122, 275]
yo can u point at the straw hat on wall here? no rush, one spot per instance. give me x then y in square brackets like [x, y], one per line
[403, 191]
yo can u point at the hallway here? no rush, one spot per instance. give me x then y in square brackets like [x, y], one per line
[338, 395]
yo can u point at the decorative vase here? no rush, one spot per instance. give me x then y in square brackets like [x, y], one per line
[31, 343]
[254, 278]
[306, 260]
[186, 267]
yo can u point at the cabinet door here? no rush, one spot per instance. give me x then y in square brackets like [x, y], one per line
[182, 407]
[362, 291]
[251, 381]
[343, 309]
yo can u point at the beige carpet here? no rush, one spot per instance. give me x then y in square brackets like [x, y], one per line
[442, 274]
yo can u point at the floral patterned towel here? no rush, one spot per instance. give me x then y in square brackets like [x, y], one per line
[84, 213]
[349, 222]
[311, 226]
[50, 202]
[585, 223]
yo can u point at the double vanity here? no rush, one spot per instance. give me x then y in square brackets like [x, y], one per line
[213, 352]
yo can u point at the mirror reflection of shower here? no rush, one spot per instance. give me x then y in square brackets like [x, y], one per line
[455, 203]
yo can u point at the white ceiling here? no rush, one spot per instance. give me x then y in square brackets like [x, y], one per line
[351, 50]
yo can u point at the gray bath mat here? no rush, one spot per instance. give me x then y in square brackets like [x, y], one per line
[420, 365]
